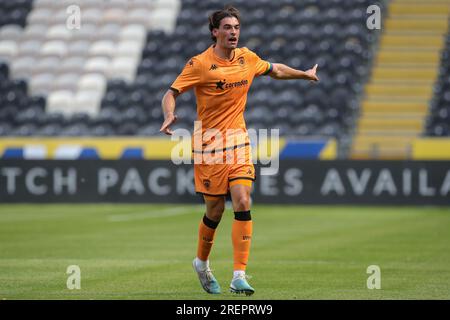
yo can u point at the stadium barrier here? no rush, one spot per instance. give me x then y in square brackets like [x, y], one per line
[160, 181]
[143, 148]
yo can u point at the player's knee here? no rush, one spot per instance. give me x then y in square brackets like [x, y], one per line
[219, 206]
[215, 215]
[243, 203]
[215, 211]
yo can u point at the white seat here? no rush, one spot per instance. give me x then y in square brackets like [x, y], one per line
[92, 82]
[124, 68]
[64, 4]
[163, 19]
[87, 102]
[173, 5]
[72, 64]
[140, 4]
[88, 4]
[122, 4]
[97, 65]
[39, 15]
[67, 82]
[109, 31]
[8, 49]
[138, 16]
[129, 49]
[60, 17]
[114, 15]
[102, 48]
[91, 16]
[44, 4]
[79, 48]
[41, 84]
[29, 47]
[22, 67]
[133, 32]
[86, 32]
[11, 32]
[54, 48]
[59, 32]
[47, 65]
[60, 102]
[34, 32]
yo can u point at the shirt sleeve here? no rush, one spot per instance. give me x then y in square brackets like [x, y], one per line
[262, 67]
[189, 77]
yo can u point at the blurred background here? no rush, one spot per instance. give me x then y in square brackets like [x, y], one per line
[384, 94]
[84, 79]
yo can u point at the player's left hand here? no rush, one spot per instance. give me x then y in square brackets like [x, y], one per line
[312, 74]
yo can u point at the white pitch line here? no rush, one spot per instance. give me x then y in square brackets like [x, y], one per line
[169, 212]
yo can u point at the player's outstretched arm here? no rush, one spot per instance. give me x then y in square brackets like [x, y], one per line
[168, 107]
[283, 72]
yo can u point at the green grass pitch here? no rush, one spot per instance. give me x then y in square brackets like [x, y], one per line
[298, 252]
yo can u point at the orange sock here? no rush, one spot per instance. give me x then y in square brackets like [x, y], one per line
[206, 231]
[242, 237]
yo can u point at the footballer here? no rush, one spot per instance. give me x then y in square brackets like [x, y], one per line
[221, 77]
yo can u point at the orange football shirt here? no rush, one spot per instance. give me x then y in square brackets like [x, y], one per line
[221, 88]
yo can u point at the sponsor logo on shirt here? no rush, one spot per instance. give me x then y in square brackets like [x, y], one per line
[222, 85]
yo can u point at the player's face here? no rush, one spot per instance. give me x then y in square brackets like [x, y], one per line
[228, 33]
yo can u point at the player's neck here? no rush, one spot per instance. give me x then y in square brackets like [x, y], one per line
[223, 53]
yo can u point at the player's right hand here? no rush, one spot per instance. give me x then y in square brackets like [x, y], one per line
[170, 119]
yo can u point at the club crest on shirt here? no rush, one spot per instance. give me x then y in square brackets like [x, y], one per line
[241, 61]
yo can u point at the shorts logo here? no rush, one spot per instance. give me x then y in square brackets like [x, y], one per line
[249, 171]
[246, 238]
[206, 183]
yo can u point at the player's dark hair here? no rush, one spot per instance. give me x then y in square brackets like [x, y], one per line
[227, 12]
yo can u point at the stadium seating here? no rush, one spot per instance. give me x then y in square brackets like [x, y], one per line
[296, 108]
[438, 122]
[67, 70]
[115, 69]
[14, 13]
[396, 100]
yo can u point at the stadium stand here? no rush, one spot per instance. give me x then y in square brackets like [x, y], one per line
[107, 78]
[397, 98]
[438, 122]
[67, 69]
[115, 69]
[296, 108]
